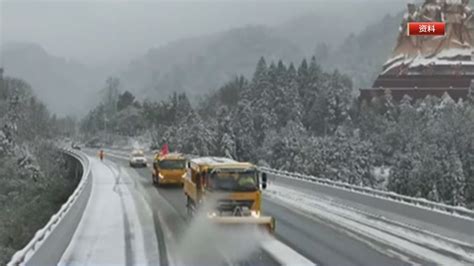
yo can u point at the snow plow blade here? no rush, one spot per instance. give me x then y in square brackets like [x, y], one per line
[265, 223]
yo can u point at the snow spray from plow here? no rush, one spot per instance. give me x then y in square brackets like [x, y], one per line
[206, 242]
[209, 241]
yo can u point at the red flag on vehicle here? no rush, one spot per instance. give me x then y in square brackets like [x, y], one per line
[164, 149]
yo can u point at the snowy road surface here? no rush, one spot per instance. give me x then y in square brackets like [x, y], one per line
[184, 241]
[410, 238]
[116, 229]
[333, 221]
[333, 231]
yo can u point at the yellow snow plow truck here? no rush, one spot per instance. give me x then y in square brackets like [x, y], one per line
[169, 169]
[229, 192]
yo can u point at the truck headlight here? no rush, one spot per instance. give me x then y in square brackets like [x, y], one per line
[184, 175]
[160, 175]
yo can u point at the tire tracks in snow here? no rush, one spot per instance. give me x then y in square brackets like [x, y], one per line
[399, 237]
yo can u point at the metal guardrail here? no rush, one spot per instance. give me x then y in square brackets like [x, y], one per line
[22, 256]
[419, 202]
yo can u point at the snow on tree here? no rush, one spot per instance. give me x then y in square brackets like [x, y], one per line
[170, 137]
[295, 106]
[125, 100]
[293, 137]
[276, 150]
[347, 158]
[183, 107]
[400, 178]
[338, 100]
[226, 145]
[303, 77]
[110, 94]
[260, 74]
[128, 122]
[197, 138]
[454, 173]
[32, 171]
[16, 93]
[264, 117]
[244, 130]
[312, 85]
[286, 101]
[307, 120]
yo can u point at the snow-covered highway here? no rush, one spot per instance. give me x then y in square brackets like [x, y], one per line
[332, 230]
[115, 229]
[175, 233]
[129, 221]
[389, 237]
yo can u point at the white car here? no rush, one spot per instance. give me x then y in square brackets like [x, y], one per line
[138, 159]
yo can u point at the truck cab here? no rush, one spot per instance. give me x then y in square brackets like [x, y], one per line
[233, 191]
[169, 169]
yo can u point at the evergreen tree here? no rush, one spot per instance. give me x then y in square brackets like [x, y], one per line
[260, 74]
[303, 77]
[244, 129]
[183, 107]
[338, 101]
[263, 92]
[454, 173]
[293, 104]
[110, 95]
[400, 178]
[226, 139]
[279, 98]
[125, 100]
[312, 88]
[197, 138]
[283, 148]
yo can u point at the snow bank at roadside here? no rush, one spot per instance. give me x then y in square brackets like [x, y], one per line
[417, 243]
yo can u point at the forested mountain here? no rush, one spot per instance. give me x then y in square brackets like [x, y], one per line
[33, 178]
[362, 55]
[199, 65]
[306, 120]
[52, 77]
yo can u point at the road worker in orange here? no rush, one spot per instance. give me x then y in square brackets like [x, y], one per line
[101, 155]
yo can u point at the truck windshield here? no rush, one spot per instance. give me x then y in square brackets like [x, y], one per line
[172, 164]
[234, 181]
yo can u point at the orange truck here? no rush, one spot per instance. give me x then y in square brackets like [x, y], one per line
[169, 169]
[232, 189]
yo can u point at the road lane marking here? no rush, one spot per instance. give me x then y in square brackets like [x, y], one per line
[284, 254]
[280, 252]
[314, 206]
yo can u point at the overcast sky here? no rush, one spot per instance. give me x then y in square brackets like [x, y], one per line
[95, 32]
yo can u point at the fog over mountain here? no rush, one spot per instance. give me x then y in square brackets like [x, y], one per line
[150, 44]
[65, 85]
[362, 55]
